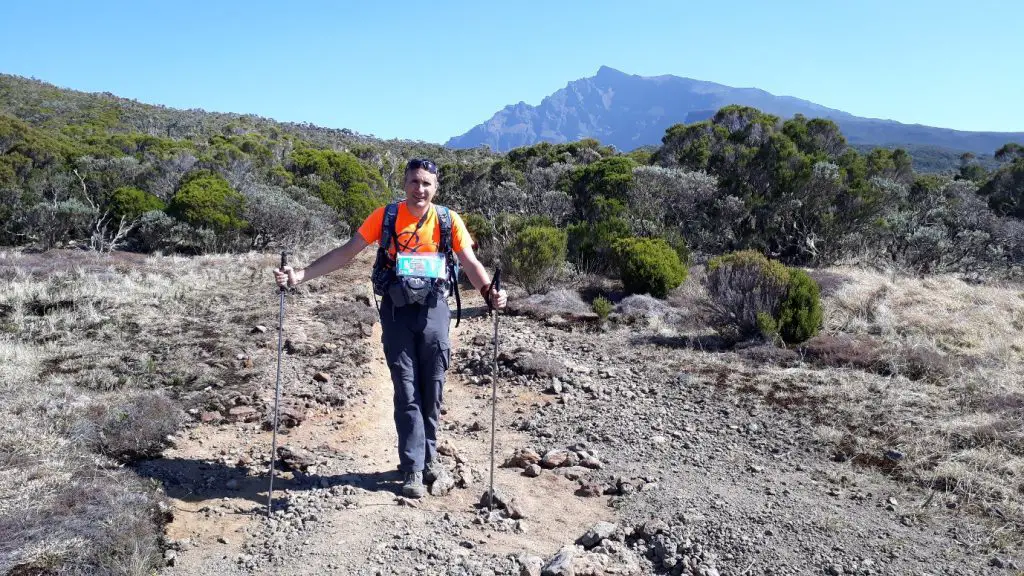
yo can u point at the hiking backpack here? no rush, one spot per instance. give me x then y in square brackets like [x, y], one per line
[383, 267]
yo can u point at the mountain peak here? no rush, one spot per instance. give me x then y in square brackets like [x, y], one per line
[608, 71]
[628, 111]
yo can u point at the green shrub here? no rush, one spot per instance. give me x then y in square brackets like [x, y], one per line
[751, 295]
[649, 266]
[800, 314]
[602, 307]
[535, 257]
[205, 199]
[480, 229]
[346, 184]
[767, 326]
[739, 285]
[130, 202]
[591, 243]
[485, 237]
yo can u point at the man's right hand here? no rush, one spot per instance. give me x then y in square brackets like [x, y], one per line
[288, 275]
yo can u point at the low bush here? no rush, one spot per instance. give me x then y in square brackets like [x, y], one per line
[206, 200]
[558, 302]
[750, 295]
[130, 203]
[800, 313]
[157, 231]
[862, 352]
[602, 307]
[591, 242]
[739, 285]
[535, 257]
[649, 266]
[136, 427]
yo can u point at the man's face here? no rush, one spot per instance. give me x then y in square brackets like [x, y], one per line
[420, 188]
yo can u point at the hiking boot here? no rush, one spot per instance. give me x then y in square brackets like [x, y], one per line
[413, 486]
[433, 471]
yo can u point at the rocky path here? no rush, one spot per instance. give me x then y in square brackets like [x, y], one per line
[625, 454]
[339, 510]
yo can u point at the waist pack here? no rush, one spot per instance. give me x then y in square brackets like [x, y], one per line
[410, 289]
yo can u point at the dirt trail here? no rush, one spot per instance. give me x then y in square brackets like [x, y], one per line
[221, 529]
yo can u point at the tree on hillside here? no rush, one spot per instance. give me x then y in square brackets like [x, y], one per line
[1005, 189]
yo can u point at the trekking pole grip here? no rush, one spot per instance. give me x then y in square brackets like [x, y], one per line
[495, 285]
[284, 262]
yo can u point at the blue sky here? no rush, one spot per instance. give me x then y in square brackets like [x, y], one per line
[432, 70]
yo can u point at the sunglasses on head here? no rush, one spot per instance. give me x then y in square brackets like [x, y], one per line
[416, 164]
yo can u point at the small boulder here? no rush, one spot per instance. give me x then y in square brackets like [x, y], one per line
[561, 563]
[598, 532]
[522, 458]
[530, 565]
[243, 414]
[555, 458]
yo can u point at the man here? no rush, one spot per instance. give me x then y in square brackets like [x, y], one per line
[414, 310]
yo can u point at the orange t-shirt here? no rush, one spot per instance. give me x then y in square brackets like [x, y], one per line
[410, 239]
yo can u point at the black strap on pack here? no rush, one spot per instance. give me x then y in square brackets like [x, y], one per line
[444, 219]
[387, 233]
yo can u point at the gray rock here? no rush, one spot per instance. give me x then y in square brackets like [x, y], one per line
[530, 565]
[598, 532]
[295, 458]
[443, 484]
[522, 458]
[556, 458]
[561, 563]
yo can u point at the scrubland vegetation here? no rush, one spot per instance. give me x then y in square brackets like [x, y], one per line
[887, 302]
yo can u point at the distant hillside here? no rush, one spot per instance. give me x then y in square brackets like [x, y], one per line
[629, 111]
[50, 107]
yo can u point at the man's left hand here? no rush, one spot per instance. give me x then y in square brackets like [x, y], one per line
[498, 298]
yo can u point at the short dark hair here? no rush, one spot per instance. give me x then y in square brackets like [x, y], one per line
[417, 163]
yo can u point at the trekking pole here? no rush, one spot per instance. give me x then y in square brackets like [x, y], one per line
[495, 285]
[277, 388]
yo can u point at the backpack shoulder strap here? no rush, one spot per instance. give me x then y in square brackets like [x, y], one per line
[444, 219]
[387, 233]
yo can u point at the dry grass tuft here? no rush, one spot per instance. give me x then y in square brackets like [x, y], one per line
[129, 428]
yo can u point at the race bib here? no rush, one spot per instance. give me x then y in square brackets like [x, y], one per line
[424, 265]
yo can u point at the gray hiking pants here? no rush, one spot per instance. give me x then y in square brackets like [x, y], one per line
[417, 350]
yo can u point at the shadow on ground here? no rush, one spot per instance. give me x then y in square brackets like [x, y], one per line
[203, 480]
[703, 342]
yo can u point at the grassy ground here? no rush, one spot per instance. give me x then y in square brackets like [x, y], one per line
[100, 362]
[955, 406]
[922, 379]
